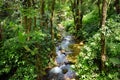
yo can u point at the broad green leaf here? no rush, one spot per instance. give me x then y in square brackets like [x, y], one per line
[115, 61]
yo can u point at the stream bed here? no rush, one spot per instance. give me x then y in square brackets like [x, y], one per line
[63, 71]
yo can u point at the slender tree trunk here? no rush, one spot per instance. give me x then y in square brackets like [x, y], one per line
[35, 19]
[77, 20]
[103, 43]
[77, 13]
[98, 4]
[29, 23]
[52, 28]
[73, 12]
[81, 14]
[117, 6]
[25, 23]
[29, 20]
[35, 25]
[42, 13]
[51, 20]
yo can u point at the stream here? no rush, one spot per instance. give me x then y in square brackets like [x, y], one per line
[63, 69]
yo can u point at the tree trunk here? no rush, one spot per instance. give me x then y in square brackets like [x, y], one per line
[77, 14]
[52, 28]
[51, 20]
[42, 13]
[27, 21]
[103, 43]
[117, 6]
[99, 10]
[35, 25]
[81, 15]
[73, 12]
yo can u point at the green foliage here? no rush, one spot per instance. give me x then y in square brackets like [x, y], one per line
[90, 25]
[69, 26]
[30, 12]
[113, 36]
[91, 21]
[88, 64]
[25, 55]
[85, 67]
[28, 52]
[26, 72]
[17, 51]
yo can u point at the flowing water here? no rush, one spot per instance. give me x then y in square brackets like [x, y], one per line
[63, 70]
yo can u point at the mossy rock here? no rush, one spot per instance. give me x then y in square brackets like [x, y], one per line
[59, 36]
[75, 48]
[72, 59]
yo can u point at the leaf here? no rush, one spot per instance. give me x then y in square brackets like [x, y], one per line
[115, 61]
[21, 37]
[34, 51]
[27, 48]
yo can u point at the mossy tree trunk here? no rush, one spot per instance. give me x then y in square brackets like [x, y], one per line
[35, 19]
[52, 26]
[99, 8]
[42, 13]
[51, 19]
[103, 41]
